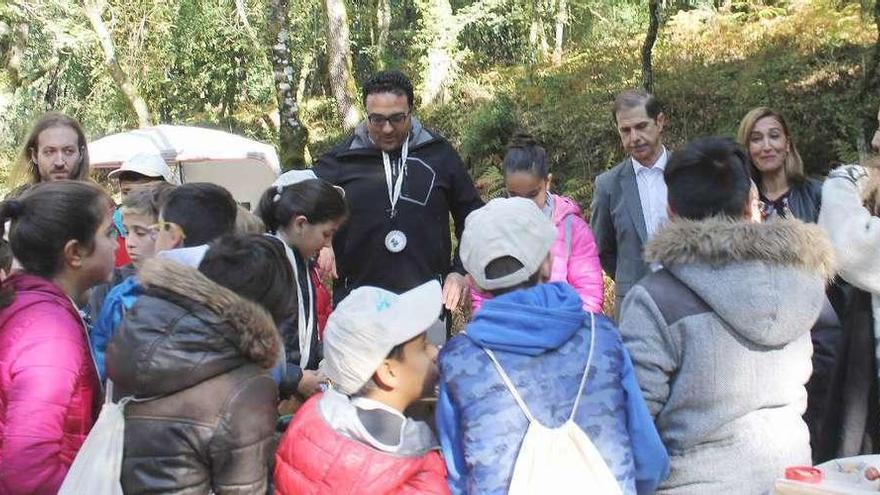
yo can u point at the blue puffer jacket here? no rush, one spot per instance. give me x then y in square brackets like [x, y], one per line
[118, 301]
[541, 336]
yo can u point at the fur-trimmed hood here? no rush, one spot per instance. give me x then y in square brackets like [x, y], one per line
[765, 280]
[186, 329]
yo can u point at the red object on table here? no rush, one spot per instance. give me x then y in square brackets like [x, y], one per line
[805, 474]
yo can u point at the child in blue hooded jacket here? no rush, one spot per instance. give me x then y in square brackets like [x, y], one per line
[542, 338]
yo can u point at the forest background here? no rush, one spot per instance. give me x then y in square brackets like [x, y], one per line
[287, 71]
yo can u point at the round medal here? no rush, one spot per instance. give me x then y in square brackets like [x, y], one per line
[395, 241]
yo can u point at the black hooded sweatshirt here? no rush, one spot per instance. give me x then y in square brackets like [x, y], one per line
[436, 184]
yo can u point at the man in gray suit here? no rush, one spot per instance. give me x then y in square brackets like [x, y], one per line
[629, 201]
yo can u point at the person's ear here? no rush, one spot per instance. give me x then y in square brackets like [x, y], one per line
[33, 155]
[661, 121]
[387, 375]
[298, 224]
[73, 254]
[549, 182]
[176, 238]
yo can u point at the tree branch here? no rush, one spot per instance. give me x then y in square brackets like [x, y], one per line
[93, 11]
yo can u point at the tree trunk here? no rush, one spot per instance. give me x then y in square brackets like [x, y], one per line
[648, 47]
[439, 25]
[339, 51]
[305, 68]
[93, 11]
[561, 21]
[292, 134]
[870, 88]
[20, 34]
[383, 23]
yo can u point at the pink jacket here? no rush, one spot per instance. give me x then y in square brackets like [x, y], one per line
[575, 257]
[48, 387]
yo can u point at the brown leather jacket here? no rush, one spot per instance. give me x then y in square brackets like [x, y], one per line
[200, 353]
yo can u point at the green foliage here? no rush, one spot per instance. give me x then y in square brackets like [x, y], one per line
[198, 62]
[710, 68]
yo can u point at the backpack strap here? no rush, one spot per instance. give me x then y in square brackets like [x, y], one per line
[509, 385]
[577, 400]
[518, 398]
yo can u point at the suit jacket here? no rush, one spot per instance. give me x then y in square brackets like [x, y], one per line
[618, 225]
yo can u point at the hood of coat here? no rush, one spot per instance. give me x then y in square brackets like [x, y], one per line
[563, 207]
[418, 136]
[529, 321]
[767, 281]
[186, 329]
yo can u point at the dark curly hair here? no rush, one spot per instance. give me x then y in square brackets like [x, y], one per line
[389, 81]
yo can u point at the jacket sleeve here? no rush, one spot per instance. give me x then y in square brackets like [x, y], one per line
[242, 444]
[118, 301]
[649, 454]
[584, 270]
[853, 230]
[603, 226]
[646, 338]
[450, 440]
[293, 371]
[464, 199]
[44, 376]
[431, 480]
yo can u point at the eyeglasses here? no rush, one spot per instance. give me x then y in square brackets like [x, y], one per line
[163, 225]
[379, 120]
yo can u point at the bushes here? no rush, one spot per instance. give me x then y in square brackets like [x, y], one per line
[805, 60]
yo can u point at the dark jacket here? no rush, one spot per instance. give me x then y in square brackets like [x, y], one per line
[98, 293]
[436, 185]
[618, 225]
[290, 334]
[198, 353]
[851, 423]
[805, 200]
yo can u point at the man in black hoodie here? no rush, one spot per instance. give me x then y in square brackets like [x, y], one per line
[401, 181]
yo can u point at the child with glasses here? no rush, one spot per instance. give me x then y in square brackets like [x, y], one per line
[187, 217]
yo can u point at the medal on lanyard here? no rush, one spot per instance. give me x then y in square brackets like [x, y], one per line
[395, 241]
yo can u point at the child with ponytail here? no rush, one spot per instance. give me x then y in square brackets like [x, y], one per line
[63, 236]
[575, 255]
[304, 213]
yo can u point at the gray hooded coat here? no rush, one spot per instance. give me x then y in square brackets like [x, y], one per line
[720, 340]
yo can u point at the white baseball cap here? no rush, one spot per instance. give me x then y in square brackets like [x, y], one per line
[292, 177]
[367, 324]
[513, 227]
[147, 164]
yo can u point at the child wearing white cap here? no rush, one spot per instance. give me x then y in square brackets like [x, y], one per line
[355, 438]
[532, 365]
[138, 170]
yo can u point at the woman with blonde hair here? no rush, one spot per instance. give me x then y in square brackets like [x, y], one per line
[777, 168]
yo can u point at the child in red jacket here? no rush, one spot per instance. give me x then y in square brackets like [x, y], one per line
[354, 438]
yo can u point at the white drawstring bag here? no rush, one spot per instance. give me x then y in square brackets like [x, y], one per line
[559, 460]
[98, 464]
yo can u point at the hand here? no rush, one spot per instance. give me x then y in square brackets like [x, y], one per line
[310, 383]
[454, 290]
[327, 263]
